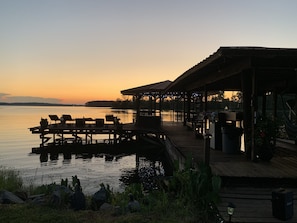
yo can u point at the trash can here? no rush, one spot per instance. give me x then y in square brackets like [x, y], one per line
[231, 139]
[282, 204]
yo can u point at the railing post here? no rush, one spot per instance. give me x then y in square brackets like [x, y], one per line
[206, 148]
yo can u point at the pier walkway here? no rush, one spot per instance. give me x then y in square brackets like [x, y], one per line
[88, 131]
[247, 184]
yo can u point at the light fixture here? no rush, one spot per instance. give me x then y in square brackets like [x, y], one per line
[230, 210]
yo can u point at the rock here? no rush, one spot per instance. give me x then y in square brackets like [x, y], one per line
[7, 197]
[78, 201]
[22, 195]
[59, 195]
[99, 198]
[133, 205]
[39, 201]
[106, 207]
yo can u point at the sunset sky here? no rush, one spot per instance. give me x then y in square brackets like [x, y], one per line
[74, 51]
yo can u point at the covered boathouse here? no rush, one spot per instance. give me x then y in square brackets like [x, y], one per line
[154, 93]
[260, 74]
[257, 72]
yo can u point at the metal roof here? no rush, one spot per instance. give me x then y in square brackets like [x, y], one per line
[147, 89]
[224, 69]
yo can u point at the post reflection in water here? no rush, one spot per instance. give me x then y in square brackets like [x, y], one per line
[147, 168]
[16, 143]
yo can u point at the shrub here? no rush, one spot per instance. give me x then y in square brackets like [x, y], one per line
[197, 189]
[10, 180]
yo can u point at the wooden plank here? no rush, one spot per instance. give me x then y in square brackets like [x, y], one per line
[232, 165]
[252, 204]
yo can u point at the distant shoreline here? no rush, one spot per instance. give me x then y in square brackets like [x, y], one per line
[98, 103]
[35, 104]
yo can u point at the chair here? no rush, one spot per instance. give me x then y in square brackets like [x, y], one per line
[66, 118]
[109, 118]
[54, 118]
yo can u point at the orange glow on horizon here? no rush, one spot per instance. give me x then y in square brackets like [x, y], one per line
[50, 53]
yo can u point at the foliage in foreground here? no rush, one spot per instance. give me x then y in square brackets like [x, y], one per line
[10, 180]
[198, 190]
[188, 196]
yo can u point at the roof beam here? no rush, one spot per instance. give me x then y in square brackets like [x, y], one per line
[220, 73]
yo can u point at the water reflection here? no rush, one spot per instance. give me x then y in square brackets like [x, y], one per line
[66, 161]
[146, 169]
[16, 141]
[146, 172]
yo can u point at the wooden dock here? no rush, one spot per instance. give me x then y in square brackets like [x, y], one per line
[245, 183]
[72, 133]
[282, 166]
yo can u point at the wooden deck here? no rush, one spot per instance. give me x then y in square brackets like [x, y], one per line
[61, 134]
[246, 183]
[253, 205]
[282, 166]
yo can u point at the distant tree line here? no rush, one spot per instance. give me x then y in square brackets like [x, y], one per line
[215, 102]
[99, 103]
[177, 104]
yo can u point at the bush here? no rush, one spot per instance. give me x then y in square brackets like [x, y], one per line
[189, 195]
[10, 180]
[197, 189]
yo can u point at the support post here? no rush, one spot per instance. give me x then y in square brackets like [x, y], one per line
[274, 104]
[189, 106]
[137, 107]
[205, 111]
[207, 148]
[160, 104]
[246, 84]
[254, 108]
[264, 104]
[184, 110]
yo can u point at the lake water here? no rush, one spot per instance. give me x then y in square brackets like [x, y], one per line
[16, 142]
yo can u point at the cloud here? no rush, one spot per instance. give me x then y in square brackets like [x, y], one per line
[4, 97]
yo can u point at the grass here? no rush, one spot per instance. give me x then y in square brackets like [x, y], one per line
[172, 203]
[29, 213]
[35, 214]
[10, 179]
